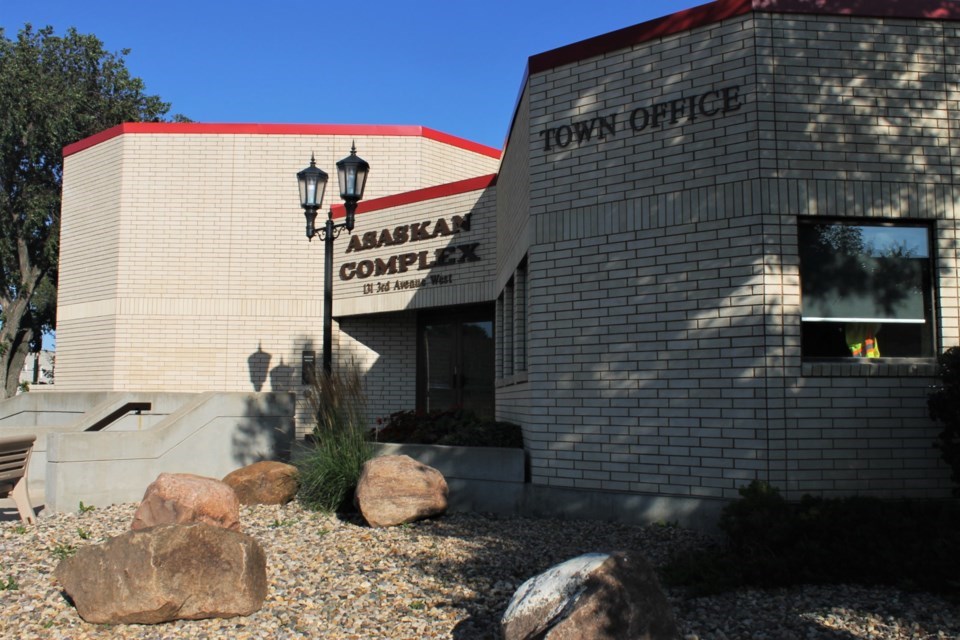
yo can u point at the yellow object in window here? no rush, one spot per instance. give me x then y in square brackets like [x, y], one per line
[862, 340]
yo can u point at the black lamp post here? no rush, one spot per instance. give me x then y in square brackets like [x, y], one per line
[352, 174]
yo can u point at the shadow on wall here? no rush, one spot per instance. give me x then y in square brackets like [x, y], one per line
[383, 345]
[281, 376]
[942, 9]
[266, 429]
[258, 364]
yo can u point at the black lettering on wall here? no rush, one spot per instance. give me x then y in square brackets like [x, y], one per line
[703, 100]
[731, 99]
[584, 129]
[608, 125]
[545, 134]
[418, 260]
[656, 114]
[638, 124]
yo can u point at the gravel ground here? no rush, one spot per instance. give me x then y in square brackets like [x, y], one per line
[446, 578]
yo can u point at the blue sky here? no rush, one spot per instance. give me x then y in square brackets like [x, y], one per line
[454, 66]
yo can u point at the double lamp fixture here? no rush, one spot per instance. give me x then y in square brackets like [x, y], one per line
[352, 174]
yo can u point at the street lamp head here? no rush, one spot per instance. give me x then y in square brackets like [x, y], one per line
[352, 173]
[312, 182]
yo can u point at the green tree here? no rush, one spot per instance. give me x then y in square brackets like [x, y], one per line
[54, 90]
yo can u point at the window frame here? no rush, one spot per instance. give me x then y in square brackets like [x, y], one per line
[513, 309]
[931, 306]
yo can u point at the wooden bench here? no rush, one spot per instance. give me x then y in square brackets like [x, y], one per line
[14, 460]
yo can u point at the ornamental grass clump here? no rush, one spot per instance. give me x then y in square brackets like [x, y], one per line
[330, 466]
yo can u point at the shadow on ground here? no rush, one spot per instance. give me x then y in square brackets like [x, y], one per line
[496, 555]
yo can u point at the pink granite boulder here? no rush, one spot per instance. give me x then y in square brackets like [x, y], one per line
[395, 490]
[266, 482]
[167, 572]
[183, 498]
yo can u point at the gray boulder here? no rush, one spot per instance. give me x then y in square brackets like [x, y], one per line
[167, 572]
[596, 596]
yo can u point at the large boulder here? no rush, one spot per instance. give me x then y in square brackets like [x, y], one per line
[596, 596]
[168, 572]
[183, 498]
[395, 490]
[266, 482]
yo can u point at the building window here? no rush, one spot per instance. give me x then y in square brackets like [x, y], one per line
[520, 317]
[506, 333]
[866, 289]
[512, 328]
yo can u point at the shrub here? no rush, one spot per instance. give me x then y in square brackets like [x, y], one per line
[330, 467]
[771, 542]
[457, 427]
[944, 406]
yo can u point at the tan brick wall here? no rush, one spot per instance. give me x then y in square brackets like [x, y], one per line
[442, 163]
[384, 346]
[89, 262]
[90, 219]
[204, 263]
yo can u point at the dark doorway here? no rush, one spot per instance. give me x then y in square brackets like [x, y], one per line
[455, 360]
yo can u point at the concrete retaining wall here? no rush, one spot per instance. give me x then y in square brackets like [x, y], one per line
[41, 414]
[493, 480]
[480, 478]
[212, 435]
[46, 408]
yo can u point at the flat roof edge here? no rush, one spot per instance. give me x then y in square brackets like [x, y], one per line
[200, 128]
[720, 10]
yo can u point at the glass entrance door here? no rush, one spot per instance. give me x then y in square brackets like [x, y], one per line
[455, 360]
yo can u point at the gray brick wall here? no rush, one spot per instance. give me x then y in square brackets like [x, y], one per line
[664, 292]
[513, 199]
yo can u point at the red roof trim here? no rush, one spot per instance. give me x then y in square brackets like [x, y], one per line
[629, 36]
[720, 10]
[454, 141]
[197, 128]
[420, 195]
[914, 9]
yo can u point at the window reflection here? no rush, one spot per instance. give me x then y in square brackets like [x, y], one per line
[866, 290]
